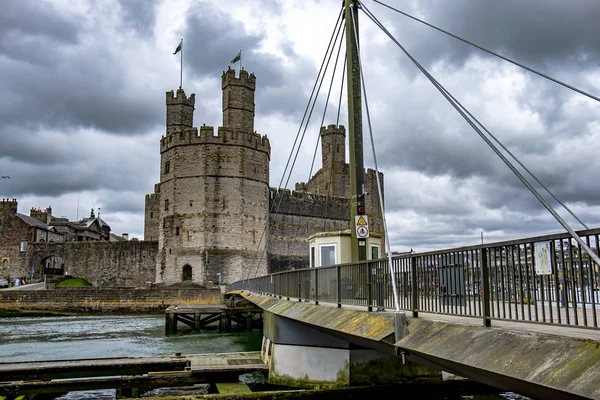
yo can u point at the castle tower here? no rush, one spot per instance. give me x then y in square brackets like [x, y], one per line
[213, 194]
[180, 111]
[238, 100]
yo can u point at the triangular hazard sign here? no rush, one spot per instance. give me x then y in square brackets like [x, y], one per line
[361, 221]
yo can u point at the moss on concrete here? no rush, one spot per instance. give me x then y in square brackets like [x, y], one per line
[389, 371]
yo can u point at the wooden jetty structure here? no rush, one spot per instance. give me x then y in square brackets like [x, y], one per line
[235, 309]
[126, 373]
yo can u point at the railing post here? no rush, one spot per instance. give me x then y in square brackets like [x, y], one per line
[299, 288]
[485, 292]
[316, 286]
[338, 273]
[415, 287]
[369, 288]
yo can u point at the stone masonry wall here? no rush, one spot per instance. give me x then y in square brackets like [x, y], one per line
[106, 300]
[213, 199]
[104, 264]
[12, 231]
[299, 216]
[152, 215]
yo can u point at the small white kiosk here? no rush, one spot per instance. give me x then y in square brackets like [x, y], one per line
[330, 248]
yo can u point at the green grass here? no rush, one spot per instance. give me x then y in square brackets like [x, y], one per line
[73, 282]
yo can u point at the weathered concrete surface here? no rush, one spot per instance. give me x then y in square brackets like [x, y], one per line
[536, 365]
[371, 326]
[568, 365]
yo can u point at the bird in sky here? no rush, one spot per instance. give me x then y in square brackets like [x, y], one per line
[5, 177]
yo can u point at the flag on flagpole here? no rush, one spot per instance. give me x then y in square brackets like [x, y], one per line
[178, 49]
[237, 58]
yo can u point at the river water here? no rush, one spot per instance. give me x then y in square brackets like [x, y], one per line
[71, 337]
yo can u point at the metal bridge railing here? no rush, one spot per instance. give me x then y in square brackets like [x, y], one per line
[497, 281]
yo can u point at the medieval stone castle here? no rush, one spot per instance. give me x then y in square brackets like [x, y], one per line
[213, 217]
[211, 210]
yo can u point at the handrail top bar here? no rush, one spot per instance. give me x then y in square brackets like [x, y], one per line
[555, 236]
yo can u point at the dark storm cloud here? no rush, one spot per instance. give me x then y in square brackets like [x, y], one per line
[140, 15]
[35, 19]
[546, 33]
[212, 39]
[90, 162]
[54, 80]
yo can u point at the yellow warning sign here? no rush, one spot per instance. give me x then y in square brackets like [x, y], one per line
[362, 226]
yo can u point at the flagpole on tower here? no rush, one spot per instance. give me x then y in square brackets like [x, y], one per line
[179, 49]
[181, 67]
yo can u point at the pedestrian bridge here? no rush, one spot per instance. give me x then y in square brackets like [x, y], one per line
[493, 313]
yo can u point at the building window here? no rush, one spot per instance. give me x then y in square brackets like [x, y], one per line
[176, 231]
[374, 252]
[167, 166]
[186, 273]
[327, 254]
[166, 204]
[151, 214]
[23, 246]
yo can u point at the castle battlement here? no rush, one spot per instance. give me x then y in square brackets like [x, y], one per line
[244, 79]
[181, 98]
[224, 136]
[300, 194]
[329, 129]
[309, 204]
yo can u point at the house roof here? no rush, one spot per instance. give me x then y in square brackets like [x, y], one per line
[87, 222]
[36, 223]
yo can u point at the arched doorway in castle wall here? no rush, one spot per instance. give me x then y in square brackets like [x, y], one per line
[52, 265]
[186, 273]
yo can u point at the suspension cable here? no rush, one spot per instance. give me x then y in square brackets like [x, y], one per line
[591, 96]
[379, 192]
[322, 121]
[337, 123]
[516, 159]
[312, 99]
[443, 91]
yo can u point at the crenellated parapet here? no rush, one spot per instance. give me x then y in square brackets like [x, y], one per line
[180, 98]
[244, 79]
[223, 136]
[307, 204]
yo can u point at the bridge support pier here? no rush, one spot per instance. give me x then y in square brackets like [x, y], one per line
[302, 356]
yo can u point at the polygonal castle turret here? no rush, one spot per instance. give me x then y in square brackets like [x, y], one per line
[180, 111]
[238, 100]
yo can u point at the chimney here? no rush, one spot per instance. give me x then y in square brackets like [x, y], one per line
[125, 236]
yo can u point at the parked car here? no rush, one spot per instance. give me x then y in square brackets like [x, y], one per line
[3, 283]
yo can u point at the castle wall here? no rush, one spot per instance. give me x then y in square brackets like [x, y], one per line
[298, 216]
[104, 264]
[152, 215]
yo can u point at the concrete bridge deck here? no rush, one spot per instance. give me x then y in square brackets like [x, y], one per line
[536, 360]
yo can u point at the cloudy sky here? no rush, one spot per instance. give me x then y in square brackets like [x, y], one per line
[83, 86]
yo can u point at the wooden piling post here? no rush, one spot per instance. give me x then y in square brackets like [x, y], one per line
[170, 323]
[197, 318]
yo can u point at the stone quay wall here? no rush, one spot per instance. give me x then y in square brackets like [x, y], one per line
[106, 300]
[104, 264]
